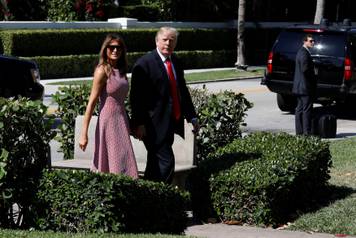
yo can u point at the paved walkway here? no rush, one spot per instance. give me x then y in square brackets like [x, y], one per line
[233, 231]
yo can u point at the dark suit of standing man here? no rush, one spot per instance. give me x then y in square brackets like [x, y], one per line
[304, 87]
[154, 115]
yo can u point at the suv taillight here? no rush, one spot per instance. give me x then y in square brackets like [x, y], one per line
[347, 69]
[269, 63]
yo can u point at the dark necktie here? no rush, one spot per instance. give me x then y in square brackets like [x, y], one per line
[173, 89]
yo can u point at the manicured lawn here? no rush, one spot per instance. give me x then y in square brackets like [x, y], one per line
[194, 77]
[223, 74]
[37, 234]
[339, 217]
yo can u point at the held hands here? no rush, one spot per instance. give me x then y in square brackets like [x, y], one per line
[140, 132]
[196, 126]
[83, 142]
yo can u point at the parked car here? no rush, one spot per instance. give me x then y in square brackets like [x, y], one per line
[19, 77]
[334, 55]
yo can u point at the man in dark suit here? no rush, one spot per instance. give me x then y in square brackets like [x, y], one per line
[160, 101]
[304, 87]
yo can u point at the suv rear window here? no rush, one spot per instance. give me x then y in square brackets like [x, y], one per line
[330, 43]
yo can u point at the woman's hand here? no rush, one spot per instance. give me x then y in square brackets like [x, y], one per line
[83, 142]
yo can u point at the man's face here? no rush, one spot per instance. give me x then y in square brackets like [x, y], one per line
[166, 42]
[309, 43]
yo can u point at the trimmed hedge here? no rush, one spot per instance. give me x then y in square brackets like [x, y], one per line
[71, 66]
[60, 42]
[79, 201]
[287, 173]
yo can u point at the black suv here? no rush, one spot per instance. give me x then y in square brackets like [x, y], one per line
[19, 77]
[334, 55]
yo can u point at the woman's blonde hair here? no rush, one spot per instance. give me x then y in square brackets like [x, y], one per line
[121, 64]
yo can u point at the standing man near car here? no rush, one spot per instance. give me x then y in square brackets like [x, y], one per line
[160, 101]
[304, 87]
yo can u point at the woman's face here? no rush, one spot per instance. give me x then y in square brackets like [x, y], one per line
[113, 50]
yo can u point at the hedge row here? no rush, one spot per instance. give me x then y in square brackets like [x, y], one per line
[60, 42]
[262, 178]
[83, 65]
[80, 201]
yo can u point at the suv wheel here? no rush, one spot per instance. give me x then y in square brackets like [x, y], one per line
[286, 103]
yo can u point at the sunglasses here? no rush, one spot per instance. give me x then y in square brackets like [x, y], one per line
[112, 47]
[311, 41]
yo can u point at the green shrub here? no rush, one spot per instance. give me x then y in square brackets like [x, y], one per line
[290, 174]
[61, 42]
[221, 117]
[199, 186]
[71, 66]
[79, 201]
[72, 101]
[200, 59]
[24, 142]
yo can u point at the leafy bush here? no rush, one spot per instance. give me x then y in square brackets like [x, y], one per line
[71, 102]
[24, 142]
[78, 201]
[221, 117]
[199, 186]
[289, 174]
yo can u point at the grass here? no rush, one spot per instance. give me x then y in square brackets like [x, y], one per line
[222, 75]
[39, 234]
[192, 77]
[339, 217]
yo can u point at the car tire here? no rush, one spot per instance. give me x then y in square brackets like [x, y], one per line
[286, 103]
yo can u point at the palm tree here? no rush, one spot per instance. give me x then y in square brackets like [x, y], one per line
[319, 11]
[241, 62]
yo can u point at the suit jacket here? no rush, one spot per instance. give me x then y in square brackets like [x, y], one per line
[150, 98]
[304, 82]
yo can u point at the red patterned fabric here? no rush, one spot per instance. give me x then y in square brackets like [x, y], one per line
[113, 148]
[173, 90]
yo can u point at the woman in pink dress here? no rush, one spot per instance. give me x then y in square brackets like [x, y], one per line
[113, 149]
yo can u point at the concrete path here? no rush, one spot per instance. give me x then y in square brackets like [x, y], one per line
[234, 231]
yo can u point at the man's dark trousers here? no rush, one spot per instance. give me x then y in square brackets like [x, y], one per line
[303, 115]
[160, 158]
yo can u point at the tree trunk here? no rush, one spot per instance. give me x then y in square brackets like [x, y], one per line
[241, 62]
[319, 11]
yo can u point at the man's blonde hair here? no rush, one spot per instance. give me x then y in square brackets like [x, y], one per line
[165, 29]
